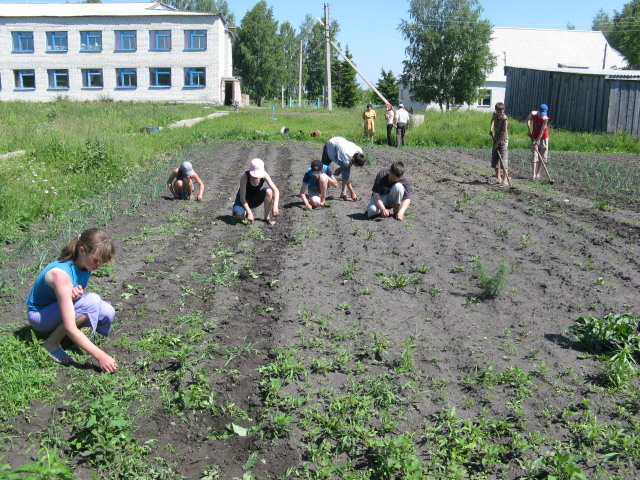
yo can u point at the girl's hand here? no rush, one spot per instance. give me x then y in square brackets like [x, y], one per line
[76, 292]
[250, 216]
[275, 212]
[107, 363]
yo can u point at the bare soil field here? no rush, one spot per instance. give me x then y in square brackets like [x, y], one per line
[331, 346]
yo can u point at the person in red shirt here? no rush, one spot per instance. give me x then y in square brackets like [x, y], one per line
[538, 126]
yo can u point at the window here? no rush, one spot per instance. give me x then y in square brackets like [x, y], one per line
[160, 40]
[22, 42]
[58, 79]
[126, 41]
[195, 39]
[92, 78]
[485, 98]
[91, 41]
[126, 78]
[57, 42]
[25, 79]
[195, 77]
[160, 77]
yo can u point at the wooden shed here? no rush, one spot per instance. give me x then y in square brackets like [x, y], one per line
[583, 100]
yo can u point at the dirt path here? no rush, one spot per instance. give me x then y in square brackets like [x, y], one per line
[322, 272]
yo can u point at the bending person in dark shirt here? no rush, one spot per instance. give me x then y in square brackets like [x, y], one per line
[391, 190]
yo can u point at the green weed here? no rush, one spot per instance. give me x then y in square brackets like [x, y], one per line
[491, 285]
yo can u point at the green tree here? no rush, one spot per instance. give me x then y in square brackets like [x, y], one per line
[602, 22]
[344, 86]
[257, 53]
[622, 31]
[389, 86]
[213, 6]
[312, 33]
[291, 50]
[448, 57]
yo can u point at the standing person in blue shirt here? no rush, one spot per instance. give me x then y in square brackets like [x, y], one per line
[345, 154]
[58, 304]
[315, 183]
[391, 190]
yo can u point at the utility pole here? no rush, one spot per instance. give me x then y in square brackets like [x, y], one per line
[328, 56]
[300, 78]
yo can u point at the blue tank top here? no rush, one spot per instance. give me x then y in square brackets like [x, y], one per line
[42, 294]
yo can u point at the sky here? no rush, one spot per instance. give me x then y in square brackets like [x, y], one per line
[370, 27]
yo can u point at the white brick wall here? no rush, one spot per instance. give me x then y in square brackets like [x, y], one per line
[216, 59]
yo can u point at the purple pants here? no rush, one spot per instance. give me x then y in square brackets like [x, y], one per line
[100, 313]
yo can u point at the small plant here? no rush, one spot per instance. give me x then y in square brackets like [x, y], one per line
[424, 268]
[502, 232]
[526, 239]
[350, 270]
[344, 306]
[366, 291]
[457, 268]
[49, 466]
[491, 285]
[398, 281]
[613, 334]
[405, 362]
[379, 345]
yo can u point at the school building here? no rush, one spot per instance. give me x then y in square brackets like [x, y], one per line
[538, 49]
[120, 51]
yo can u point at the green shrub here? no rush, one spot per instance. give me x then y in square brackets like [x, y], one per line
[491, 285]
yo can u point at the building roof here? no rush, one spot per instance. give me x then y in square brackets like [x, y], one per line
[543, 49]
[90, 9]
[609, 73]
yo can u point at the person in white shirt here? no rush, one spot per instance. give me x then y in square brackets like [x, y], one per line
[345, 154]
[401, 122]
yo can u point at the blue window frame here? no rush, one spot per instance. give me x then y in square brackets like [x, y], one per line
[57, 42]
[126, 41]
[92, 78]
[160, 77]
[58, 79]
[25, 79]
[160, 40]
[126, 78]
[91, 41]
[195, 77]
[22, 42]
[195, 39]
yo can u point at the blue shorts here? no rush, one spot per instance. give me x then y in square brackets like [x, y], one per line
[345, 171]
[239, 211]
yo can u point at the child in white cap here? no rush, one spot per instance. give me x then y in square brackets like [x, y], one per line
[253, 192]
[180, 182]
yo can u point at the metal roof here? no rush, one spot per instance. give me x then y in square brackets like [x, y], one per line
[609, 73]
[542, 49]
[91, 10]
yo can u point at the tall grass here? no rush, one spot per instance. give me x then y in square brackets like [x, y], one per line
[81, 150]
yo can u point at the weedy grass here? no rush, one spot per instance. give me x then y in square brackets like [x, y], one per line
[492, 285]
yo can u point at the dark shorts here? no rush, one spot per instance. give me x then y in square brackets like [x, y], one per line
[238, 210]
[325, 156]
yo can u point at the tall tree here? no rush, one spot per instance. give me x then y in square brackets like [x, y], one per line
[448, 57]
[389, 86]
[602, 22]
[622, 31]
[213, 6]
[291, 50]
[312, 33]
[343, 82]
[257, 53]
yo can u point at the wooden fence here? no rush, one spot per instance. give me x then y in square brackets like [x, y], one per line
[583, 101]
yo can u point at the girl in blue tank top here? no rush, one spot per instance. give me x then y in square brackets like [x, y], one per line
[58, 304]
